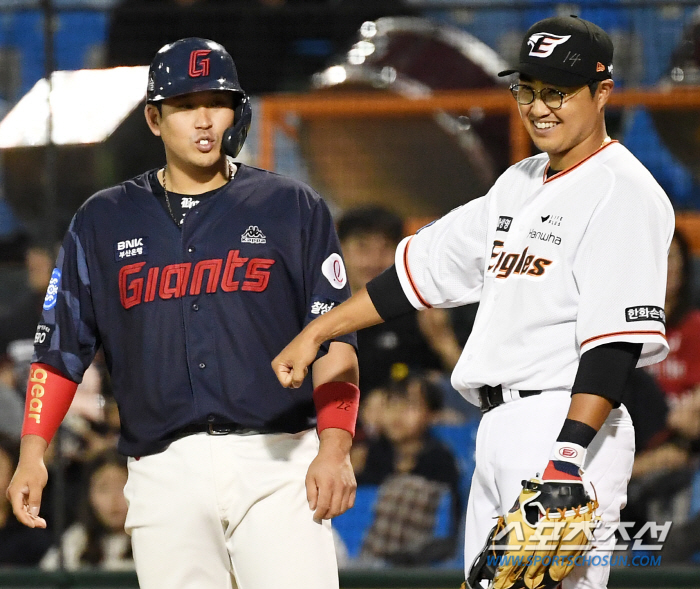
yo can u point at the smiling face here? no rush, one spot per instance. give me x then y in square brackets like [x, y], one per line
[571, 133]
[192, 128]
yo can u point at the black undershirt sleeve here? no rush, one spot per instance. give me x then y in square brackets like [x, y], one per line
[388, 296]
[605, 369]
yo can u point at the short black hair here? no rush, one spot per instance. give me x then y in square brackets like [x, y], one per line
[430, 390]
[371, 219]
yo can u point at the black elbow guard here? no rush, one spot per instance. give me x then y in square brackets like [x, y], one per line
[604, 370]
[388, 296]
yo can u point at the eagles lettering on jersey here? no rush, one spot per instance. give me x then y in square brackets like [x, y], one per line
[511, 263]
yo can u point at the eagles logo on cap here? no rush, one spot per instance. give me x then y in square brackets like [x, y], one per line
[542, 44]
[565, 51]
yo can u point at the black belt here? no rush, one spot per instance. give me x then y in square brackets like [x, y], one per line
[490, 397]
[220, 429]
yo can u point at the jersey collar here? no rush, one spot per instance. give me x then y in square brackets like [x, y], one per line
[564, 172]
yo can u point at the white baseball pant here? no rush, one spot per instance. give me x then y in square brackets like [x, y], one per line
[514, 443]
[220, 511]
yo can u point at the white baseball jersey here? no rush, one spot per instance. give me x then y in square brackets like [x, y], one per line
[559, 265]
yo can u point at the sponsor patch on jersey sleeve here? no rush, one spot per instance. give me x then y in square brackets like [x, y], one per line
[130, 248]
[504, 223]
[52, 291]
[42, 337]
[645, 313]
[334, 270]
[321, 306]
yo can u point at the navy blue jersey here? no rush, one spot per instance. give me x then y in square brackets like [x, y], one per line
[190, 318]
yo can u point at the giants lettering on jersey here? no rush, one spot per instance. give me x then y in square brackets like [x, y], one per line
[522, 264]
[137, 285]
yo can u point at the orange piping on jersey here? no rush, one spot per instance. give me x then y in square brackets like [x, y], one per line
[564, 172]
[597, 337]
[410, 278]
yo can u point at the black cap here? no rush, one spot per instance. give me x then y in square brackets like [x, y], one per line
[565, 51]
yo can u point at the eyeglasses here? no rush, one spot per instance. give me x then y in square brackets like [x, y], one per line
[552, 98]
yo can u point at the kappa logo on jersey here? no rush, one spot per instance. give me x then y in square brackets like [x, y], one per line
[522, 264]
[321, 306]
[504, 223]
[645, 313]
[188, 202]
[140, 285]
[199, 65]
[334, 270]
[253, 235]
[52, 291]
[42, 337]
[542, 44]
[130, 248]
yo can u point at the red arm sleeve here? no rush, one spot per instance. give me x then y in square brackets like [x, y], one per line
[49, 395]
[337, 404]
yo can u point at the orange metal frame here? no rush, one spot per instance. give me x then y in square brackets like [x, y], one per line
[274, 109]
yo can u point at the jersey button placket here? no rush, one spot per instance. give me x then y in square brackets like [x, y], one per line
[202, 365]
[195, 307]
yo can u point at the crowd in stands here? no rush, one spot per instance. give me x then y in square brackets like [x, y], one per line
[413, 452]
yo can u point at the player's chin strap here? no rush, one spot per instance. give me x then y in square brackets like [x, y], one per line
[234, 137]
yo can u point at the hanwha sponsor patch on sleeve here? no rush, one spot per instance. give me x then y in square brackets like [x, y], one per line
[645, 313]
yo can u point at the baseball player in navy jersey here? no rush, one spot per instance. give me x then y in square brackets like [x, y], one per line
[567, 256]
[192, 277]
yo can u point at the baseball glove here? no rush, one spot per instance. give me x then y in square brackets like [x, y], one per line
[536, 544]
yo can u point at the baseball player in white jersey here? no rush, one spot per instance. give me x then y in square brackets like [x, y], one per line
[567, 256]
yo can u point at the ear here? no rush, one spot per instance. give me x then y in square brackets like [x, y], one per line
[152, 115]
[605, 88]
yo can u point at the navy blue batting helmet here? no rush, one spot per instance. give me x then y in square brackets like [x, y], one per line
[191, 65]
[197, 65]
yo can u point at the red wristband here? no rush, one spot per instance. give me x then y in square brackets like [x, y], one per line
[49, 395]
[336, 406]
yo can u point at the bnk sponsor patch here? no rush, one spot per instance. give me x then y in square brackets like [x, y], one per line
[42, 338]
[130, 248]
[645, 313]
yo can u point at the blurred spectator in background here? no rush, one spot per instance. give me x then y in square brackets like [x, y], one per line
[416, 472]
[98, 539]
[19, 545]
[26, 271]
[369, 236]
[11, 412]
[664, 402]
[18, 324]
[679, 374]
